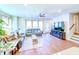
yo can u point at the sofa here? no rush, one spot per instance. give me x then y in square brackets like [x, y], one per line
[35, 31]
[59, 34]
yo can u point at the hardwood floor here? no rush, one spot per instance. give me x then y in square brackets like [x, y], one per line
[50, 45]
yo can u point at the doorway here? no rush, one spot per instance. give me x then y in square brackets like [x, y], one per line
[76, 22]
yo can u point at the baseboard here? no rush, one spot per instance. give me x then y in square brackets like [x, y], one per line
[74, 41]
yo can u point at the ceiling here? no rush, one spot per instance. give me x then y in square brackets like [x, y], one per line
[34, 10]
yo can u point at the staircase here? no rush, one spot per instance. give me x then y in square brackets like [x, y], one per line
[75, 38]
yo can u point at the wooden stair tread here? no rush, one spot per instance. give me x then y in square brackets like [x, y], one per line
[76, 33]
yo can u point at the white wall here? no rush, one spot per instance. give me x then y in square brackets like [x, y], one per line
[65, 18]
[47, 26]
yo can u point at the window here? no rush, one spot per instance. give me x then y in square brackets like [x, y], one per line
[10, 25]
[5, 19]
[56, 25]
[6, 25]
[35, 24]
[29, 24]
[41, 25]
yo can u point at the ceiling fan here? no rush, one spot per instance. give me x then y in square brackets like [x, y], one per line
[42, 14]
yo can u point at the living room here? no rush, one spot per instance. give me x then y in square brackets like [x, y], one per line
[36, 29]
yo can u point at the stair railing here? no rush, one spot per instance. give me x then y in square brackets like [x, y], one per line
[72, 26]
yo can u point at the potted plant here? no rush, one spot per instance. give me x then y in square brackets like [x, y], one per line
[2, 31]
